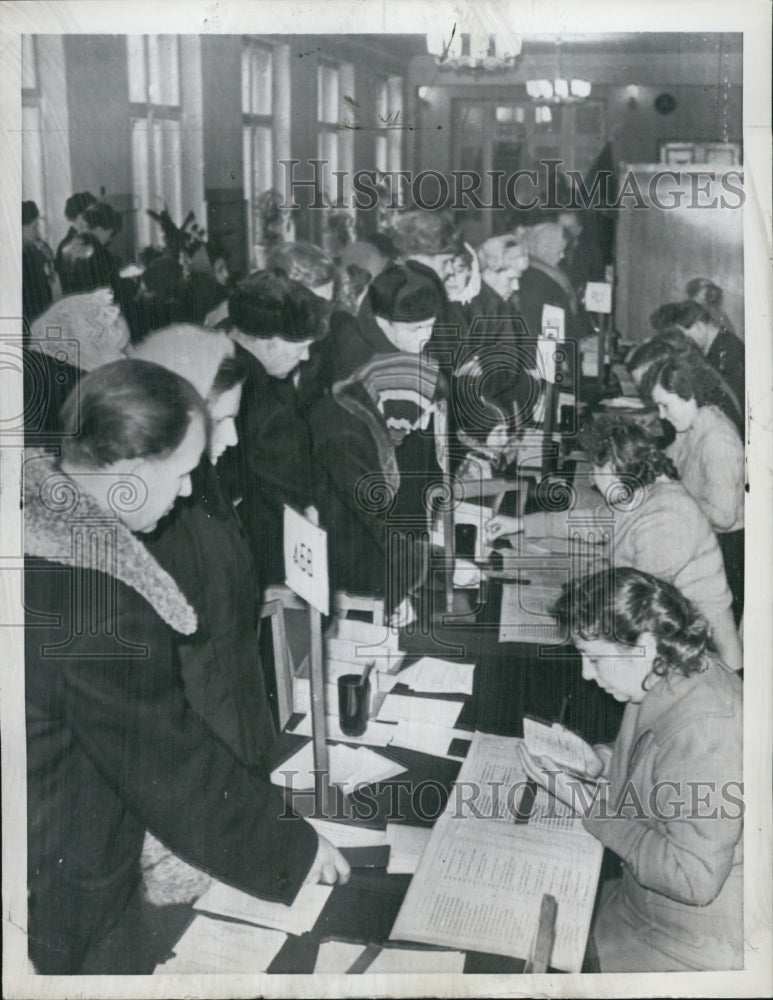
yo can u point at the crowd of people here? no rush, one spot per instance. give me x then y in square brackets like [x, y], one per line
[174, 408]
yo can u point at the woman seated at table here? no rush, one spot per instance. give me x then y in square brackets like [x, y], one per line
[672, 342]
[708, 454]
[113, 747]
[666, 798]
[655, 525]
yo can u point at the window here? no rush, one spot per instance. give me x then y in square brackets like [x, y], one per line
[33, 173]
[389, 115]
[335, 94]
[265, 125]
[154, 95]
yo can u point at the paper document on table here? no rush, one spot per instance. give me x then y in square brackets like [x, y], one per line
[480, 884]
[426, 738]
[407, 844]
[492, 782]
[431, 675]
[210, 946]
[347, 834]
[525, 614]
[349, 766]
[337, 957]
[377, 734]
[359, 654]
[299, 918]
[560, 744]
[366, 633]
[437, 711]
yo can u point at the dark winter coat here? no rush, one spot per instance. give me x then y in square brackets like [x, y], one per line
[113, 747]
[203, 547]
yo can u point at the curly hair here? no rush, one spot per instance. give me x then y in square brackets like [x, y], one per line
[631, 452]
[622, 604]
[681, 377]
[683, 314]
[666, 343]
[712, 294]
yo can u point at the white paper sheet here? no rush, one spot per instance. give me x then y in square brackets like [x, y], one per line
[436, 711]
[407, 844]
[339, 956]
[210, 946]
[300, 917]
[349, 766]
[347, 834]
[426, 738]
[431, 675]
[377, 734]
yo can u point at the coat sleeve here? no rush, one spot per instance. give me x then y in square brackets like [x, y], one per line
[680, 840]
[168, 768]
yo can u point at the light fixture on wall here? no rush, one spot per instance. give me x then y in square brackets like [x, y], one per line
[558, 91]
[473, 51]
[562, 89]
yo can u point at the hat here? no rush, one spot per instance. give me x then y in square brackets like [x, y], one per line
[303, 262]
[270, 305]
[100, 215]
[426, 232]
[407, 293]
[366, 256]
[163, 277]
[545, 240]
[76, 204]
[29, 212]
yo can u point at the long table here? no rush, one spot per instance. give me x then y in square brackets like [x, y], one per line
[511, 680]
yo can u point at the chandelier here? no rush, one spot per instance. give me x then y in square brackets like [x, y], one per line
[474, 51]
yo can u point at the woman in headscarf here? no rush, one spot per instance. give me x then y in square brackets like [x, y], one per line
[77, 334]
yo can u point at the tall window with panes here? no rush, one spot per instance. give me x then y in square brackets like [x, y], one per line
[155, 103]
[389, 123]
[265, 126]
[33, 184]
[335, 142]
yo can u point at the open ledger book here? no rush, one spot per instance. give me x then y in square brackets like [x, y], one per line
[481, 879]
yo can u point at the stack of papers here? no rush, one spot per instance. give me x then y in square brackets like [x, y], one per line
[349, 767]
[299, 918]
[407, 845]
[222, 946]
[431, 675]
[339, 956]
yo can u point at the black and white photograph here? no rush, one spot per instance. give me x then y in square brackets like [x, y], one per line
[385, 496]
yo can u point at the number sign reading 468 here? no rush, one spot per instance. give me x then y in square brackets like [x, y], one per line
[305, 552]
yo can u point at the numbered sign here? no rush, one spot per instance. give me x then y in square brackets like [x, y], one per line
[553, 323]
[305, 550]
[598, 297]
